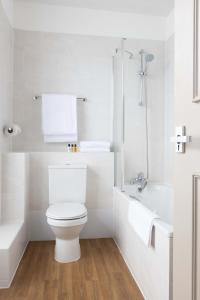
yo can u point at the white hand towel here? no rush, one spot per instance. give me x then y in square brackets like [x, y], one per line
[142, 221]
[95, 144]
[60, 138]
[59, 117]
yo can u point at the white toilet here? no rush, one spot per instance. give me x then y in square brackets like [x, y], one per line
[67, 213]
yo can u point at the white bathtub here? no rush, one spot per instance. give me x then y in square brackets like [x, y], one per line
[151, 266]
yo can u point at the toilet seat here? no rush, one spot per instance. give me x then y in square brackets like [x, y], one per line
[67, 223]
[65, 211]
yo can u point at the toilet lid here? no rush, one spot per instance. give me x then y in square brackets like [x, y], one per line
[66, 211]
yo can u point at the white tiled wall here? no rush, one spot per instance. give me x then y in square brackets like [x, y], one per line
[6, 77]
[62, 63]
[169, 109]
[14, 186]
[82, 65]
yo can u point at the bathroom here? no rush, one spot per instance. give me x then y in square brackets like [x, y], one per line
[99, 150]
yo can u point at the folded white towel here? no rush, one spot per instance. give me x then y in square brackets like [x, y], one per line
[95, 144]
[94, 149]
[59, 118]
[142, 221]
[59, 138]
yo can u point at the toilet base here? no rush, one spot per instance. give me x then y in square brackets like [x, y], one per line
[67, 250]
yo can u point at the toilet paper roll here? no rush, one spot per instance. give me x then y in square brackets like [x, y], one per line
[12, 130]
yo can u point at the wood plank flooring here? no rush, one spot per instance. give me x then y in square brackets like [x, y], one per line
[100, 274]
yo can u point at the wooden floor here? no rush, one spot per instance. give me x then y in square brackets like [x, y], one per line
[100, 274]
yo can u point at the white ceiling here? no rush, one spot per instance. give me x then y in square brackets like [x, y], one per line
[149, 7]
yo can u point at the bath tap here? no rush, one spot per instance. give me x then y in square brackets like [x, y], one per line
[140, 180]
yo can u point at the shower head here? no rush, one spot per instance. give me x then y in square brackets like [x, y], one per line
[131, 55]
[149, 57]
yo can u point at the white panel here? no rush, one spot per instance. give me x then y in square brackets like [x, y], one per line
[150, 266]
[11, 255]
[13, 229]
[196, 239]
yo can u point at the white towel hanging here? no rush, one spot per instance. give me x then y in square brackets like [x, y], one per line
[142, 221]
[59, 118]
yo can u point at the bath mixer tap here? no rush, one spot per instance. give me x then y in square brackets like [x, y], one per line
[140, 180]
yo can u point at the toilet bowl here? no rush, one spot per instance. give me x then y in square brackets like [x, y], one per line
[66, 221]
[67, 213]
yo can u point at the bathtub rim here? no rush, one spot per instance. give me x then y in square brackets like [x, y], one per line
[162, 226]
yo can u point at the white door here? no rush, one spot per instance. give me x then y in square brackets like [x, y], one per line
[187, 165]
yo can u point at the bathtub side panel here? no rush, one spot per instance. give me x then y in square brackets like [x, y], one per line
[149, 266]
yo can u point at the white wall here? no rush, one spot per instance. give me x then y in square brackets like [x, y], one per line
[169, 25]
[14, 187]
[8, 6]
[62, 63]
[169, 110]
[99, 192]
[52, 18]
[83, 65]
[6, 76]
[73, 54]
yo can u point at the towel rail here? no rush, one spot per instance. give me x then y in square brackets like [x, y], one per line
[78, 98]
